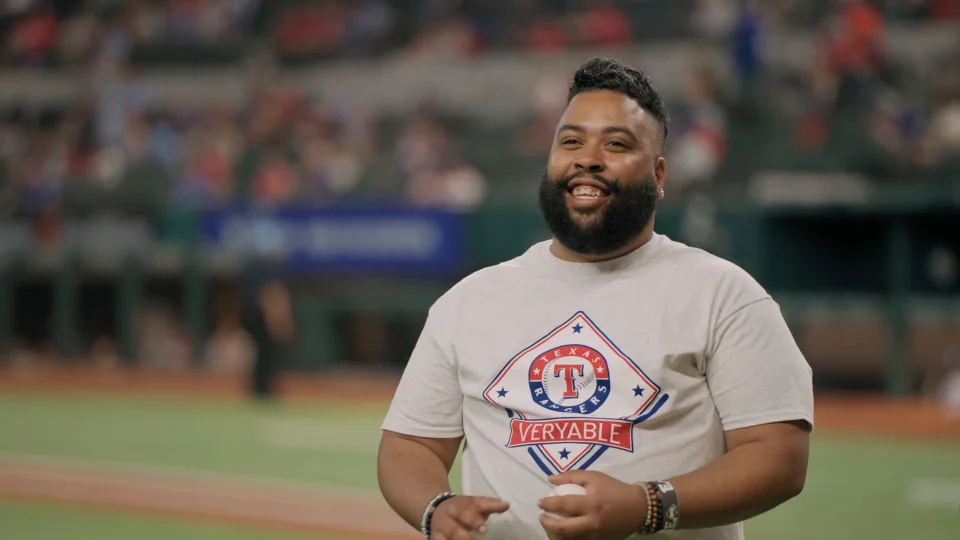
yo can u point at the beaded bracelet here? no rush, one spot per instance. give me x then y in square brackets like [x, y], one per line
[662, 508]
[653, 509]
[427, 518]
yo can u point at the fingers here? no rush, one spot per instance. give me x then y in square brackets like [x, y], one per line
[462, 534]
[456, 534]
[456, 518]
[567, 527]
[472, 520]
[566, 505]
[489, 505]
[583, 478]
[455, 528]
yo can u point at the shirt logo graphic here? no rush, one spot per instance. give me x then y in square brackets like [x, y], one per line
[573, 395]
[570, 378]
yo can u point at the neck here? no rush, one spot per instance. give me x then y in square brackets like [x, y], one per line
[564, 253]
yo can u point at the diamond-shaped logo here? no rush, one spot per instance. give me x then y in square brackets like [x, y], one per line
[572, 395]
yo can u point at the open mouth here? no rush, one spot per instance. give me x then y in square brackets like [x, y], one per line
[588, 192]
[587, 189]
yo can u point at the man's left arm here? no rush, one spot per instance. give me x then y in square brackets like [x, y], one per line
[763, 390]
[764, 467]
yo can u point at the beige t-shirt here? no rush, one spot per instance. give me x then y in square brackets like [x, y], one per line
[632, 367]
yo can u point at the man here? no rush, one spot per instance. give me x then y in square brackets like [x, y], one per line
[660, 378]
[268, 318]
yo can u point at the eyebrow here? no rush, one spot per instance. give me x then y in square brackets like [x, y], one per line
[607, 130]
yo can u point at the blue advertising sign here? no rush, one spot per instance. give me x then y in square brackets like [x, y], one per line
[338, 240]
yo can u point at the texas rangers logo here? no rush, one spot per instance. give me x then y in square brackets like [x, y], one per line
[586, 397]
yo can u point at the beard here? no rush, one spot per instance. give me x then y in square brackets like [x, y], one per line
[607, 229]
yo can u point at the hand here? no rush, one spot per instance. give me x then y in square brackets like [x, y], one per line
[611, 509]
[456, 518]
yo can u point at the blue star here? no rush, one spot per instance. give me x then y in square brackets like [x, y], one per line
[638, 391]
[577, 328]
[502, 392]
[564, 454]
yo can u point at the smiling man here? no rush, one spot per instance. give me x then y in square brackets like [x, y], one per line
[659, 377]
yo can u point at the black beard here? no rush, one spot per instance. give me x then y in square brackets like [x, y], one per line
[625, 215]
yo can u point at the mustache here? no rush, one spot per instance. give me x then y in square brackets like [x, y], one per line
[613, 186]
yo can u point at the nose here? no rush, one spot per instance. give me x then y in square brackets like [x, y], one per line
[589, 162]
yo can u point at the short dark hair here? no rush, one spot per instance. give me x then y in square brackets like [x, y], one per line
[605, 74]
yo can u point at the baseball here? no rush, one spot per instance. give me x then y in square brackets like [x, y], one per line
[568, 489]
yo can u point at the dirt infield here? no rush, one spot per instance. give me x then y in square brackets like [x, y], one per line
[187, 498]
[314, 511]
[225, 500]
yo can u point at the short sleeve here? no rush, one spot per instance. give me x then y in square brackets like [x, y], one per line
[429, 400]
[756, 372]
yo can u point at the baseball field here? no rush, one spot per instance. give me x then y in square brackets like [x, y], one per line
[119, 456]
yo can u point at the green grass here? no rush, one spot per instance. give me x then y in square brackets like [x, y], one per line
[856, 487]
[44, 522]
[332, 445]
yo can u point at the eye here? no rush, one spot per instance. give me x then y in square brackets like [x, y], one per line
[618, 144]
[569, 141]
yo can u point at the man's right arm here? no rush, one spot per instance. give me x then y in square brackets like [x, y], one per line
[413, 470]
[422, 433]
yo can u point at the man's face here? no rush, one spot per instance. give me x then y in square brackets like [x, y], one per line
[600, 187]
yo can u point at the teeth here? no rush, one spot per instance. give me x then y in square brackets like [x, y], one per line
[586, 192]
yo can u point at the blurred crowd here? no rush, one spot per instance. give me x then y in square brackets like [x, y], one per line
[279, 147]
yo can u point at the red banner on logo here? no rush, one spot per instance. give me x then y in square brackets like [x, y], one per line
[615, 433]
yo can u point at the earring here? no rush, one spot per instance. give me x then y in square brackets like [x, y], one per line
[660, 191]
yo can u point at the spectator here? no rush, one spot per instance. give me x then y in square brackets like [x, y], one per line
[945, 122]
[896, 129]
[746, 45]
[230, 349]
[545, 35]
[455, 37]
[701, 142]
[602, 24]
[453, 185]
[369, 23]
[78, 38]
[277, 180]
[163, 344]
[310, 28]
[549, 100]
[421, 145]
[34, 37]
[716, 19]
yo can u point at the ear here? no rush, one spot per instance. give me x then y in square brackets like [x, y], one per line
[660, 170]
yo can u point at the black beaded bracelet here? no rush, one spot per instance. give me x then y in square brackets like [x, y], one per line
[427, 518]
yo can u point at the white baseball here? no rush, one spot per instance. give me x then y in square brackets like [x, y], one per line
[566, 489]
